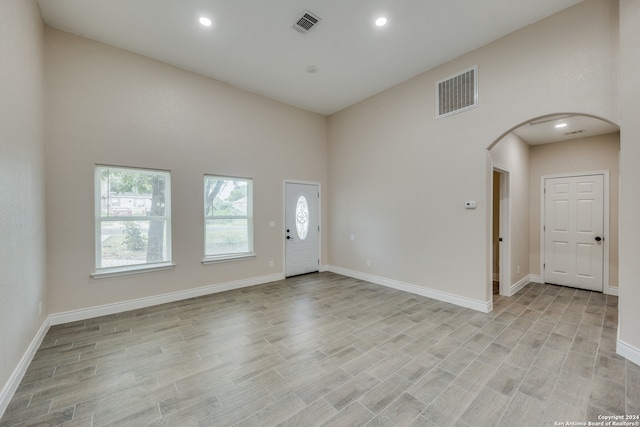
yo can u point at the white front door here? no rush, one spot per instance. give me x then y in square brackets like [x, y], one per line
[302, 228]
[573, 231]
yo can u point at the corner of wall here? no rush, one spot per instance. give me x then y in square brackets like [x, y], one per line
[14, 380]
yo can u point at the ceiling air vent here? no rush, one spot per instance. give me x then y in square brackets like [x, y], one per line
[306, 22]
[575, 132]
[457, 93]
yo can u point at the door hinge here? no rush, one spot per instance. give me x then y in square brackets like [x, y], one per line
[544, 228]
[544, 265]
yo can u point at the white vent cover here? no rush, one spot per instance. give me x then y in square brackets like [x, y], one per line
[305, 22]
[457, 93]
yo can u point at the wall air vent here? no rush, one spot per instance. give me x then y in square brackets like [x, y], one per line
[305, 22]
[575, 132]
[457, 93]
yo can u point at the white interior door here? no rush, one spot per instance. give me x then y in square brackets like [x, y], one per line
[302, 228]
[573, 231]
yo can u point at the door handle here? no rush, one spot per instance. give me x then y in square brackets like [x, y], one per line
[289, 238]
[598, 238]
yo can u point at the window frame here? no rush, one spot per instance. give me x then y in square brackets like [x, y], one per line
[102, 272]
[231, 256]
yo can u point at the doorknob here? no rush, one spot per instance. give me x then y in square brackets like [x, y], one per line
[598, 238]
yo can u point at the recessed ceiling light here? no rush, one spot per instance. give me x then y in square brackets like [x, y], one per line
[561, 125]
[381, 21]
[312, 69]
[205, 21]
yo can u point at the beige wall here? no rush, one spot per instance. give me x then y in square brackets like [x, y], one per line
[513, 154]
[389, 158]
[112, 107]
[22, 210]
[598, 153]
[629, 301]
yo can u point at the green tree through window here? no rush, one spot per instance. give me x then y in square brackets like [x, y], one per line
[228, 216]
[132, 217]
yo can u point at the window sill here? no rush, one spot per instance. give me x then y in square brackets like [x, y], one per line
[228, 258]
[126, 271]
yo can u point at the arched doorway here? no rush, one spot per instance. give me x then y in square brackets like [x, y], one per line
[546, 146]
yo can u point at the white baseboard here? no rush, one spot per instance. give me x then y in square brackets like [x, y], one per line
[119, 307]
[483, 306]
[629, 352]
[535, 278]
[12, 384]
[610, 290]
[520, 284]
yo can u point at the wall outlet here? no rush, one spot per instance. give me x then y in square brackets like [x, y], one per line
[368, 263]
[271, 264]
[518, 269]
[40, 308]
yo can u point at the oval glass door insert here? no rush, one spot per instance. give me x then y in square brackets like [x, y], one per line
[302, 217]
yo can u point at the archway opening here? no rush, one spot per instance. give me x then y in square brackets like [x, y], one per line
[555, 144]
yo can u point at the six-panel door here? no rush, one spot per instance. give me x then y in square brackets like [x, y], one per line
[573, 234]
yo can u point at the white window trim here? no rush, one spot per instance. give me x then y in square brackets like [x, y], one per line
[239, 256]
[124, 270]
[129, 270]
[228, 258]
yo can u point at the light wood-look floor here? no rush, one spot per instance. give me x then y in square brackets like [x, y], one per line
[324, 349]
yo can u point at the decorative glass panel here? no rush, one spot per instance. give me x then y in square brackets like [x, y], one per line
[302, 217]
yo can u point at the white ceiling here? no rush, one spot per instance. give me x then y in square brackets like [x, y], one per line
[252, 45]
[544, 130]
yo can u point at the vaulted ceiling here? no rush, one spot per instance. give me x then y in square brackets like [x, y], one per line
[344, 58]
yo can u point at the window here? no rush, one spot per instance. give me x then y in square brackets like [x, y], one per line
[228, 217]
[133, 220]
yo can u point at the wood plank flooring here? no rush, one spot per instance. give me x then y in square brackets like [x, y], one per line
[327, 350]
